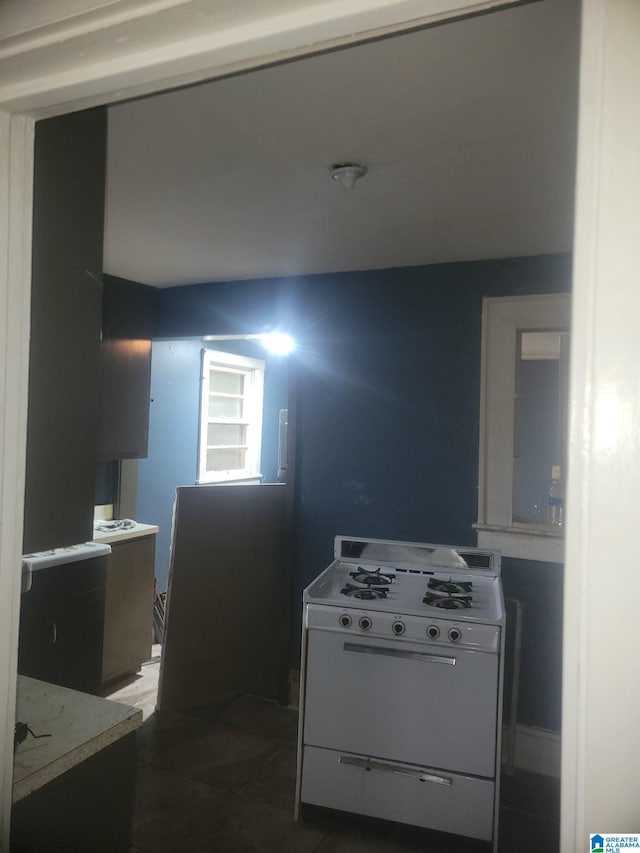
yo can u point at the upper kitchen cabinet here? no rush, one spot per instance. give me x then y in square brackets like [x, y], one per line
[66, 310]
[126, 369]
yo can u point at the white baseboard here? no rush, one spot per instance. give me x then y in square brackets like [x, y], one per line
[536, 750]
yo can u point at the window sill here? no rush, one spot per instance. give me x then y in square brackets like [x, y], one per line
[544, 544]
[254, 478]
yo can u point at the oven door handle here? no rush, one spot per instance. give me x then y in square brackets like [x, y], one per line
[418, 775]
[398, 653]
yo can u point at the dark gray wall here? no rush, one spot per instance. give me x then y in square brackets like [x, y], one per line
[387, 373]
[64, 348]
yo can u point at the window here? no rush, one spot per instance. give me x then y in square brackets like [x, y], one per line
[523, 425]
[540, 426]
[230, 417]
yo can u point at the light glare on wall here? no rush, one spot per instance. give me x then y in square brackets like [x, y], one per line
[278, 343]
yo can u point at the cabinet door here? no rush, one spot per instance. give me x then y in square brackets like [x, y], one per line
[126, 380]
[126, 369]
[62, 624]
[87, 808]
[66, 308]
[80, 641]
[128, 628]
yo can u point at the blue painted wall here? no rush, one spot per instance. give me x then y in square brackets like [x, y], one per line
[172, 458]
[173, 439]
[387, 373]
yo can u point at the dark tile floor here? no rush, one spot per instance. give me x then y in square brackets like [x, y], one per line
[222, 779]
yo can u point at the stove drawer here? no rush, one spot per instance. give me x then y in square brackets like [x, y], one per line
[402, 701]
[406, 793]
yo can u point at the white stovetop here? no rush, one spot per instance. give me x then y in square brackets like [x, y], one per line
[406, 593]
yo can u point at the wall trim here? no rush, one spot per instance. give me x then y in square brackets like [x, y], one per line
[521, 543]
[128, 48]
[16, 189]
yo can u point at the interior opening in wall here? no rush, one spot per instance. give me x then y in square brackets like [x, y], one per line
[444, 225]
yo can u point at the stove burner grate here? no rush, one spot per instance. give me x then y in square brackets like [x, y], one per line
[366, 593]
[450, 587]
[372, 577]
[447, 602]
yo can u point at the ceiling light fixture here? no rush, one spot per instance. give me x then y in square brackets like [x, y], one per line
[348, 173]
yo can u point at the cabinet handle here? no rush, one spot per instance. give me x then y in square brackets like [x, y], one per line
[398, 653]
[418, 775]
[54, 633]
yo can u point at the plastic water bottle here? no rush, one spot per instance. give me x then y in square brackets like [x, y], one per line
[555, 512]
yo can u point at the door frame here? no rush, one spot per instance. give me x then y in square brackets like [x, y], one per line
[84, 53]
[601, 629]
[604, 451]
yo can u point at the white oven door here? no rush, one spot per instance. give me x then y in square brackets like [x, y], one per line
[409, 702]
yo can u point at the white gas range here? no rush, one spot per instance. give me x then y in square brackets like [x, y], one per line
[401, 685]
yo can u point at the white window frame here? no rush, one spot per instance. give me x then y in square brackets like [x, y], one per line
[503, 318]
[253, 371]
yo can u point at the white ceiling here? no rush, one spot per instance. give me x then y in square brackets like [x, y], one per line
[468, 131]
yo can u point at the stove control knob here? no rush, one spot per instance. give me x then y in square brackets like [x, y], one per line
[345, 620]
[433, 632]
[365, 623]
[455, 634]
[398, 628]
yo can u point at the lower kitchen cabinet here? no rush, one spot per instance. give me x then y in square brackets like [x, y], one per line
[89, 808]
[61, 625]
[73, 790]
[128, 617]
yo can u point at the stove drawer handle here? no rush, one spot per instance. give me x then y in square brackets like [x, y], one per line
[398, 653]
[418, 775]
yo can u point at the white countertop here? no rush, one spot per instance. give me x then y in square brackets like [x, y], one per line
[80, 725]
[135, 532]
[60, 556]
